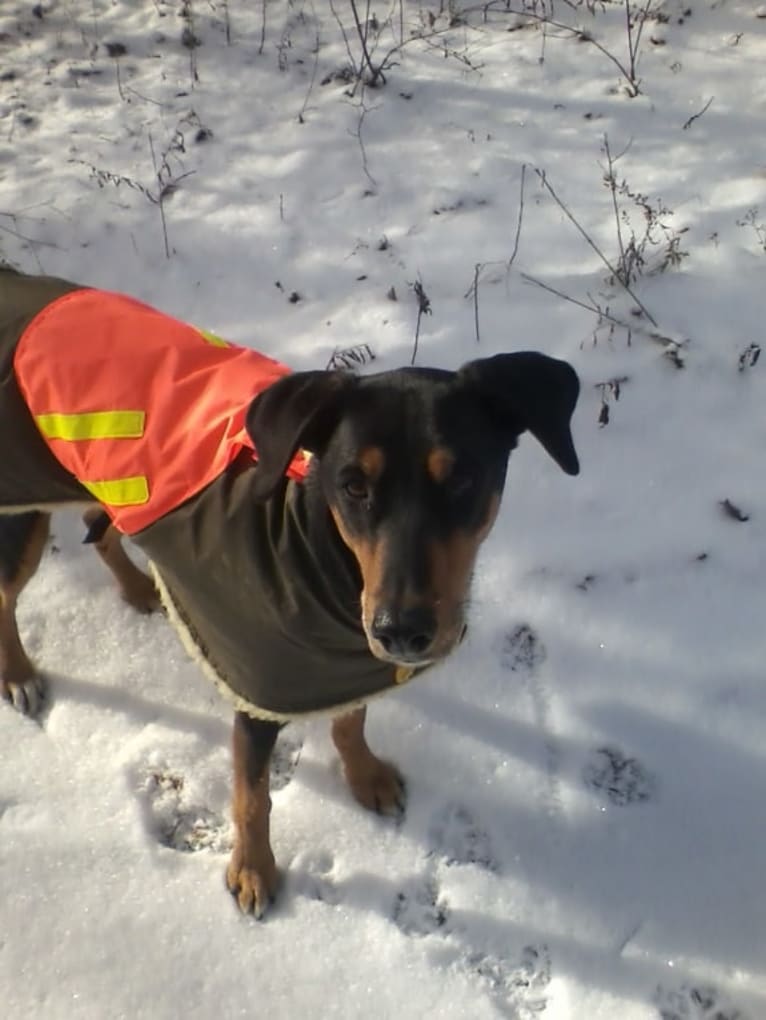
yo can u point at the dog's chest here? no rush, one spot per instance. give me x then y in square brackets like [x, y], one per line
[257, 607]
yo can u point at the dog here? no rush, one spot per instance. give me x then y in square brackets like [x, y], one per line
[312, 535]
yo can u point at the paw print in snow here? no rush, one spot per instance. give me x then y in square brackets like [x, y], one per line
[174, 820]
[518, 990]
[701, 1002]
[456, 836]
[420, 909]
[622, 780]
[522, 650]
[284, 760]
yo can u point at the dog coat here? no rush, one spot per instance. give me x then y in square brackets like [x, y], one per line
[150, 410]
[266, 604]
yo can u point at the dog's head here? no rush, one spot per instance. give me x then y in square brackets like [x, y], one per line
[412, 465]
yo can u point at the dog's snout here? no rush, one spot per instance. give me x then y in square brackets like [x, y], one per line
[405, 633]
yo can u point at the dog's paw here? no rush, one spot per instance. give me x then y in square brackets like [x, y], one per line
[253, 885]
[26, 695]
[420, 909]
[701, 1002]
[618, 778]
[378, 786]
[518, 991]
[455, 835]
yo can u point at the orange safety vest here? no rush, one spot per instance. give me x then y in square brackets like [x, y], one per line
[144, 410]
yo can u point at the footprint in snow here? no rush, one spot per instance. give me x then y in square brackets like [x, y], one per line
[455, 835]
[618, 778]
[522, 650]
[174, 819]
[519, 990]
[284, 759]
[420, 908]
[311, 875]
[700, 1002]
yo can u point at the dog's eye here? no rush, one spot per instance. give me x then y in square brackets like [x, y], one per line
[357, 489]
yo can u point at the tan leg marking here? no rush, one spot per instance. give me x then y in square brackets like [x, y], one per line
[19, 683]
[376, 784]
[136, 587]
[251, 875]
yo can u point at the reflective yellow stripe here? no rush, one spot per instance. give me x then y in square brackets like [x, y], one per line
[92, 425]
[120, 491]
[212, 338]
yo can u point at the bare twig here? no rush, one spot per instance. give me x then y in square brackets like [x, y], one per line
[312, 80]
[33, 242]
[346, 41]
[160, 197]
[227, 22]
[659, 338]
[634, 41]
[263, 27]
[520, 217]
[611, 182]
[375, 72]
[581, 230]
[424, 308]
[473, 290]
[695, 116]
[363, 111]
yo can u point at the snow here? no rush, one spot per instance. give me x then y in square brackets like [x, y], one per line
[585, 826]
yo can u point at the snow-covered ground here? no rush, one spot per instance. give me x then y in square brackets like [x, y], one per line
[586, 828]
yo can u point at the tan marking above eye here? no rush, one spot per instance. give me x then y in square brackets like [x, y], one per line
[372, 460]
[439, 463]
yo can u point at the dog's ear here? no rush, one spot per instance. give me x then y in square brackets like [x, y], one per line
[299, 411]
[530, 391]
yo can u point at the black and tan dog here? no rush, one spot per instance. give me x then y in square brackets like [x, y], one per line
[299, 588]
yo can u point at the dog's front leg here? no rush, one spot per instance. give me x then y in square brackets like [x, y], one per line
[136, 587]
[22, 541]
[252, 873]
[376, 784]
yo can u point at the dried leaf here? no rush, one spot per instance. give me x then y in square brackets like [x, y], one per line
[733, 511]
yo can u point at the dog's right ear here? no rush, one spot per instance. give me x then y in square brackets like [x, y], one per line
[299, 411]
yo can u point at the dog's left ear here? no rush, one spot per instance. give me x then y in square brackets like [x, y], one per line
[530, 391]
[299, 411]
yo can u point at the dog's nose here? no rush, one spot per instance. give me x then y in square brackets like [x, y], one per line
[405, 633]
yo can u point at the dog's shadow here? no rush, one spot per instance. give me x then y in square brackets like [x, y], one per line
[143, 710]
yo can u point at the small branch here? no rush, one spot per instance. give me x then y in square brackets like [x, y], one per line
[263, 27]
[612, 183]
[634, 44]
[310, 89]
[375, 73]
[363, 111]
[665, 341]
[520, 217]
[593, 245]
[696, 116]
[424, 308]
[473, 290]
[581, 35]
